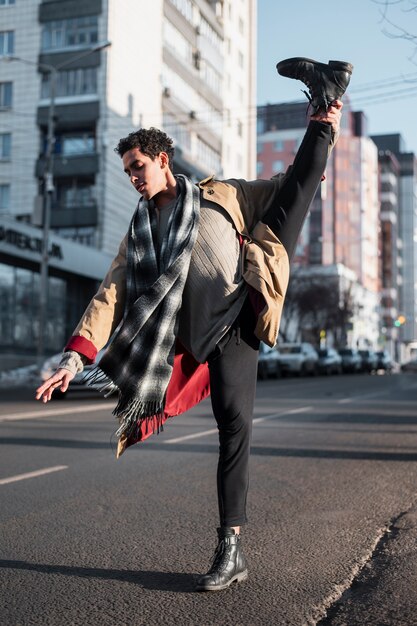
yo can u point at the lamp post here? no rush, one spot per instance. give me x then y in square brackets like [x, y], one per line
[52, 70]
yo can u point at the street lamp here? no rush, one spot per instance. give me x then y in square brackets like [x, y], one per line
[48, 182]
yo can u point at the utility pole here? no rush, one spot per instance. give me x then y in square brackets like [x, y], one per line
[48, 189]
[47, 193]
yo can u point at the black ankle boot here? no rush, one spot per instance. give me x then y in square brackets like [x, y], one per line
[229, 564]
[325, 82]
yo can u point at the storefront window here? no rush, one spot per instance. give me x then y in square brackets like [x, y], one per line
[19, 311]
[6, 303]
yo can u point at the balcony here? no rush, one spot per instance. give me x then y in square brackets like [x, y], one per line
[68, 116]
[388, 216]
[74, 165]
[74, 216]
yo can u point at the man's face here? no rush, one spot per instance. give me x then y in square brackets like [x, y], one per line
[146, 175]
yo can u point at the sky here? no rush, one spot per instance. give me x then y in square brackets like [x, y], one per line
[366, 33]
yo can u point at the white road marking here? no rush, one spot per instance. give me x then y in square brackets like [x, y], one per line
[204, 433]
[257, 420]
[47, 470]
[375, 394]
[51, 413]
[301, 409]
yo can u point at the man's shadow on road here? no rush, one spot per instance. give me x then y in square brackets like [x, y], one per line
[161, 581]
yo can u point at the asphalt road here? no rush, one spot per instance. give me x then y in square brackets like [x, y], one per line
[88, 540]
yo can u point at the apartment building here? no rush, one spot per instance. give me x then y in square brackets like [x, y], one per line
[399, 198]
[390, 250]
[105, 68]
[342, 227]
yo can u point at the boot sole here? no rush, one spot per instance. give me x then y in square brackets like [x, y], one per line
[238, 578]
[335, 65]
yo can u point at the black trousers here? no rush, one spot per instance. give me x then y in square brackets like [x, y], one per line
[233, 364]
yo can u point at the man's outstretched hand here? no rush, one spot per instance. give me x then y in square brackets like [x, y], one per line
[60, 380]
[332, 116]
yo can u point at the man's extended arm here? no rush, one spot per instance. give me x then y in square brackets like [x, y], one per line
[100, 319]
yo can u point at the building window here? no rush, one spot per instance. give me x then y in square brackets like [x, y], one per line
[5, 198]
[207, 31]
[279, 145]
[241, 26]
[19, 294]
[70, 33]
[80, 82]
[239, 128]
[259, 168]
[5, 146]
[240, 59]
[185, 7]
[179, 88]
[175, 41]
[6, 43]
[72, 144]
[207, 157]
[278, 166]
[179, 131]
[5, 95]
[78, 144]
[211, 77]
[4, 3]
[75, 194]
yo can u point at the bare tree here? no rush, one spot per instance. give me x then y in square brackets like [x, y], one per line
[315, 303]
[392, 28]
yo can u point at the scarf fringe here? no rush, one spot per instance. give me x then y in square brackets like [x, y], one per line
[97, 376]
[130, 413]
[132, 416]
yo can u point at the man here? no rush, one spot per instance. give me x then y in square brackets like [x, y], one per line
[199, 280]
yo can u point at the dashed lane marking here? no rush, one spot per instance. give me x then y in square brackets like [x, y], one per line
[257, 420]
[51, 413]
[42, 472]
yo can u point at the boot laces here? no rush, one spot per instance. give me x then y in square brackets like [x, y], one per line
[221, 557]
[321, 93]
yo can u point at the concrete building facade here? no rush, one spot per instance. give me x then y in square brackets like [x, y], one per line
[186, 66]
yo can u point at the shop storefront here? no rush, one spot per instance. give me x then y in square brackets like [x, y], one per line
[74, 273]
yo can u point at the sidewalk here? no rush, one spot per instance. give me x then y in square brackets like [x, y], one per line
[384, 593]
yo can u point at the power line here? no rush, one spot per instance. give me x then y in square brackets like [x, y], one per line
[379, 84]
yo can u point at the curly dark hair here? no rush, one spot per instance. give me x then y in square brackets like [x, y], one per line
[150, 141]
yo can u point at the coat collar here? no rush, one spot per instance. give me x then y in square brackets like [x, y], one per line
[226, 196]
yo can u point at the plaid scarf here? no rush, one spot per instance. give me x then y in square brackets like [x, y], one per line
[138, 363]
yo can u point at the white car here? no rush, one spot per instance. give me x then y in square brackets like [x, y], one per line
[298, 358]
[268, 362]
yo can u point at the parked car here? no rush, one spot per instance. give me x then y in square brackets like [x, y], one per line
[330, 361]
[369, 360]
[351, 360]
[77, 384]
[268, 362]
[409, 366]
[298, 358]
[385, 361]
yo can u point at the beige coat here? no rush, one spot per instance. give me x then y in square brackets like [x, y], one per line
[266, 263]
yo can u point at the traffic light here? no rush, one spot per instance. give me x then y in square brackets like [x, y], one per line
[401, 319]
